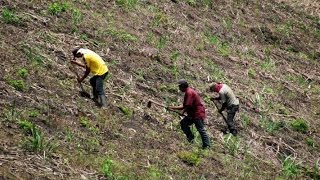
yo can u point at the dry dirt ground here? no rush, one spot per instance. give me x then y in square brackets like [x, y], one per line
[268, 52]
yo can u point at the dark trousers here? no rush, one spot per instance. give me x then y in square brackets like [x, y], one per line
[97, 85]
[185, 124]
[231, 111]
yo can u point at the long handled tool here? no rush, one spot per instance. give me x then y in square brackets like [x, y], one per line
[224, 118]
[83, 93]
[151, 101]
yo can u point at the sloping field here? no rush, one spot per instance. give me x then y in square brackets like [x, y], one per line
[267, 51]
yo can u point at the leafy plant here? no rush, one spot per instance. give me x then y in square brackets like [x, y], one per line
[57, 8]
[290, 168]
[128, 4]
[34, 113]
[10, 17]
[38, 143]
[32, 55]
[191, 158]
[159, 18]
[23, 73]
[271, 126]
[310, 142]
[162, 41]
[76, 19]
[300, 125]
[232, 144]
[26, 125]
[252, 73]
[18, 84]
[126, 111]
[245, 120]
[121, 35]
[107, 168]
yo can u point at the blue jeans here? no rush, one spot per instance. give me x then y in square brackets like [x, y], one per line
[185, 124]
[97, 85]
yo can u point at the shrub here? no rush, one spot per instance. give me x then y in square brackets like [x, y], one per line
[299, 125]
[190, 158]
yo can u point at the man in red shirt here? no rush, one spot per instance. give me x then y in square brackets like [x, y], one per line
[196, 113]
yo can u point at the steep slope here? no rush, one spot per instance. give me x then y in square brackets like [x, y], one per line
[268, 52]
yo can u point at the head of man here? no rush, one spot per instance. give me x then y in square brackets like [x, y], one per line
[76, 52]
[215, 87]
[183, 85]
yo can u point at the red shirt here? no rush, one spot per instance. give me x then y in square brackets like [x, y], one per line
[193, 100]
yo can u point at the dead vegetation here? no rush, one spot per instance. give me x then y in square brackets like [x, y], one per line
[268, 52]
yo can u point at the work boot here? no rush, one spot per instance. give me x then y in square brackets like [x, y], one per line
[234, 132]
[101, 100]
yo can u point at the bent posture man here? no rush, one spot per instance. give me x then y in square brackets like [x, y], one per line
[229, 102]
[196, 113]
[92, 63]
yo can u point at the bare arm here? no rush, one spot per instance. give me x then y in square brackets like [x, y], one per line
[86, 73]
[78, 64]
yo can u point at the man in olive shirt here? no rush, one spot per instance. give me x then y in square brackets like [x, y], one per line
[229, 101]
[92, 63]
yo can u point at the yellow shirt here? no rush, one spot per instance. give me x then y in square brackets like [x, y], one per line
[95, 63]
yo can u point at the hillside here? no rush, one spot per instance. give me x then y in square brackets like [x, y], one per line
[268, 52]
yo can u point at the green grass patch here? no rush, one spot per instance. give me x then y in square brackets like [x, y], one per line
[271, 126]
[290, 169]
[126, 111]
[128, 4]
[121, 35]
[26, 125]
[18, 85]
[299, 125]
[58, 8]
[310, 142]
[190, 158]
[34, 113]
[10, 17]
[23, 73]
[231, 144]
[32, 55]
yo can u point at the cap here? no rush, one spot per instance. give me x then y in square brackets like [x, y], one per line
[183, 83]
[75, 50]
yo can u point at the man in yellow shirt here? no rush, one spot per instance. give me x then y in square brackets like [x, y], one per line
[92, 63]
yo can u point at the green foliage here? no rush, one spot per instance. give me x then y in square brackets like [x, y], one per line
[191, 158]
[57, 8]
[18, 84]
[76, 19]
[290, 168]
[107, 168]
[34, 113]
[32, 55]
[38, 143]
[162, 42]
[126, 111]
[311, 142]
[159, 19]
[268, 64]
[121, 35]
[246, 120]
[232, 144]
[271, 126]
[252, 73]
[128, 4]
[299, 125]
[285, 29]
[154, 173]
[84, 122]
[215, 72]
[26, 125]
[10, 17]
[23, 73]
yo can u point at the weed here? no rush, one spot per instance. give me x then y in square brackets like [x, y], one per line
[23, 73]
[121, 35]
[57, 8]
[252, 73]
[271, 126]
[32, 55]
[107, 168]
[285, 29]
[84, 122]
[192, 2]
[211, 38]
[34, 113]
[290, 168]
[224, 49]
[191, 158]
[76, 19]
[311, 142]
[215, 72]
[18, 84]
[314, 173]
[38, 143]
[268, 64]
[159, 18]
[246, 121]
[68, 135]
[162, 42]
[10, 17]
[227, 23]
[128, 4]
[299, 125]
[126, 111]
[154, 173]
[232, 144]
[26, 125]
